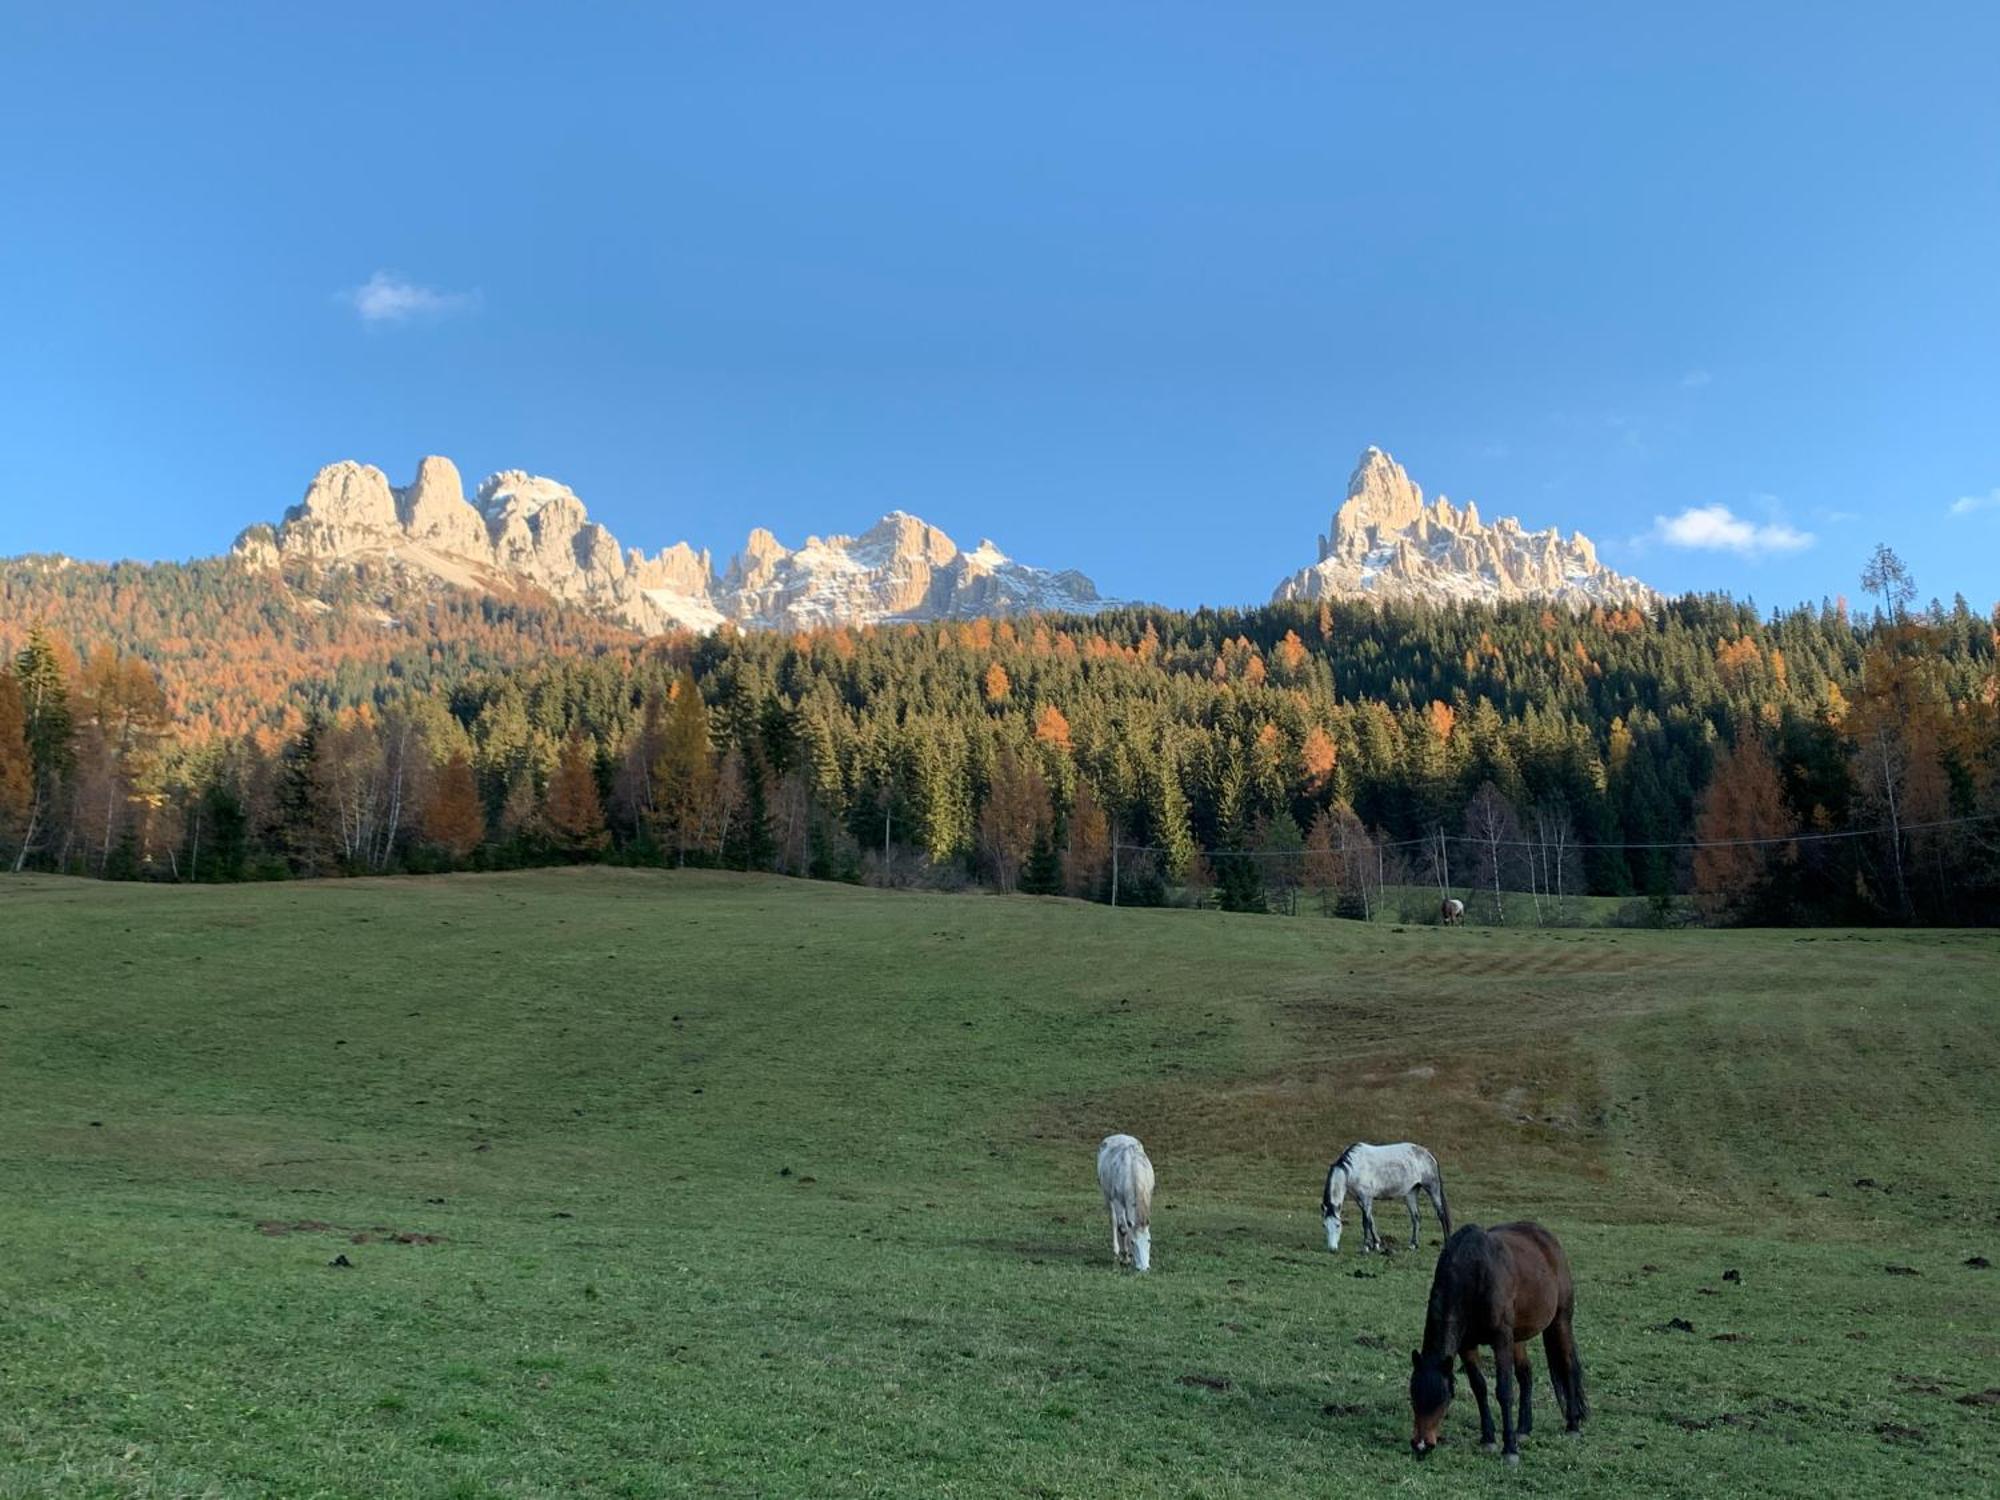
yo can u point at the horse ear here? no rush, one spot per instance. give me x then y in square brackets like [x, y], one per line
[1416, 1359]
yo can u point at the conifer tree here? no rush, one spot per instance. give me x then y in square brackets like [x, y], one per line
[1042, 874]
[302, 809]
[48, 732]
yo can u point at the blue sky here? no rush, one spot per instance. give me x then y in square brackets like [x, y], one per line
[1126, 287]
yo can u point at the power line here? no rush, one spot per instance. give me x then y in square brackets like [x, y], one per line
[1433, 840]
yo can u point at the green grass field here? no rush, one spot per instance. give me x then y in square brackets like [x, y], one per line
[745, 1187]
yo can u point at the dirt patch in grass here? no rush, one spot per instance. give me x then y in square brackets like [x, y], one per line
[1205, 1382]
[279, 1228]
[1543, 1106]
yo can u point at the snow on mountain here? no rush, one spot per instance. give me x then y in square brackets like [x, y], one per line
[523, 529]
[1386, 542]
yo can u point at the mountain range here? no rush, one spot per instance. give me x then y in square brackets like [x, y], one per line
[519, 530]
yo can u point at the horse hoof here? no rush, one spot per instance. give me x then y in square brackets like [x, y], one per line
[1513, 1458]
[1489, 1447]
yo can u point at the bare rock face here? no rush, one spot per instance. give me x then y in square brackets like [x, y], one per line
[523, 529]
[348, 508]
[256, 547]
[434, 512]
[899, 569]
[1386, 542]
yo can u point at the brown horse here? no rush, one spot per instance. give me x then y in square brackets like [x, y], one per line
[1498, 1286]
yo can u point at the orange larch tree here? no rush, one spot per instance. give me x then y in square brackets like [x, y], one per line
[1051, 728]
[571, 808]
[1739, 828]
[454, 818]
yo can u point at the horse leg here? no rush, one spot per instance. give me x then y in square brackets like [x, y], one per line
[1117, 1240]
[1416, 1225]
[1435, 1193]
[1370, 1240]
[1525, 1369]
[1566, 1370]
[1503, 1378]
[1476, 1378]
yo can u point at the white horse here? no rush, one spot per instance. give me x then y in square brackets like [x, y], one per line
[1451, 911]
[1126, 1175]
[1371, 1172]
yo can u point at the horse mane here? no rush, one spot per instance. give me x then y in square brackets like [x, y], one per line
[1341, 1163]
[1462, 1270]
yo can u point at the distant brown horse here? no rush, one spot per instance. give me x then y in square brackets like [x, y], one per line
[1451, 911]
[1498, 1286]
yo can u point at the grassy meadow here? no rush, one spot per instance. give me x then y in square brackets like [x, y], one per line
[637, 1183]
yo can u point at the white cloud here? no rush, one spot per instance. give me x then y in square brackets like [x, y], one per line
[1967, 504]
[387, 298]
[1695, 379]
[1717, 528]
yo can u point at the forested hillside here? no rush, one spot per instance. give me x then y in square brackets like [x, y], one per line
[199, 723]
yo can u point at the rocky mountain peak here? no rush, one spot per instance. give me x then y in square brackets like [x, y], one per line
[434, 511]
[524, 529]
[1384, 541]
[1379, 494]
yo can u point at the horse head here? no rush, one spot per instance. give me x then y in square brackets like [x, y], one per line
[1431, 1389]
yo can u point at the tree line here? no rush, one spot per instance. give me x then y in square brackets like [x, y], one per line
[1810, 765]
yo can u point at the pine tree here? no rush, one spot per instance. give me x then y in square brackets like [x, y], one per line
[1281, 850]
[302, 809]
[1239, 882]
[48, 732]
[1042, 874]
[224, 849]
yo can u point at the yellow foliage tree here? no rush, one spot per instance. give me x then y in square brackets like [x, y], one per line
[1317, 756]
[1051, 728]
[454, 818]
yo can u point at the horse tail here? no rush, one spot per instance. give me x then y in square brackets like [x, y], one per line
[1579, 1407]
[1444, 1203]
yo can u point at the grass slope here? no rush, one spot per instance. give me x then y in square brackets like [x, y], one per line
[745, 1187]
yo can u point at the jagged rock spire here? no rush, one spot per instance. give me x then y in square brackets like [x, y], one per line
[1385, 541]
[524, 529]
